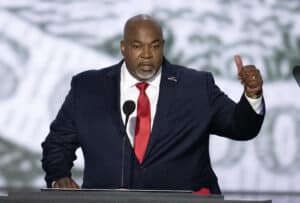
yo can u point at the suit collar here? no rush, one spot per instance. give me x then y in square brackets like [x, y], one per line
[170, 76]
[114, 71]
[112, 96]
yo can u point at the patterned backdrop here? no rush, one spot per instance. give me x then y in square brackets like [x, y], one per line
[44, 42]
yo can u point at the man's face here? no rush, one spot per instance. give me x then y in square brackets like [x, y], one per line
[142, 49]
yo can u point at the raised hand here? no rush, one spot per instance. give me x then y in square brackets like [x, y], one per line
[250, 77]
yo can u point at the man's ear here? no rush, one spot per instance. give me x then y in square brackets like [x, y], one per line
[122, 47]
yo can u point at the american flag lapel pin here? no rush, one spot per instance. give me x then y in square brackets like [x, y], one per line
[172, 78]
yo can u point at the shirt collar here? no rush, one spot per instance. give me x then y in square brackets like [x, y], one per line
[129, 81]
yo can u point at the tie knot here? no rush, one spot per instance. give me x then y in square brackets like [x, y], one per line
[142, 86]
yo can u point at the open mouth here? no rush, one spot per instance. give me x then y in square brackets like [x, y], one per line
[146, 66]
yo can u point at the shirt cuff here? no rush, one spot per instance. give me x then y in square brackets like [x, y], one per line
[256, 104]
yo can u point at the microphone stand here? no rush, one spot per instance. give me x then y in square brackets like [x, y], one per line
[128, 108]
[123, 151]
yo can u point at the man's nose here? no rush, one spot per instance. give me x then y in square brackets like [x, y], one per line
[146, 52]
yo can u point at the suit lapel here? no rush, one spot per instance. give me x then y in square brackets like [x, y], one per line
[167, 94]
[112, 84]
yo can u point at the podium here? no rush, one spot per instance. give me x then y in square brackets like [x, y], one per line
[115, 196]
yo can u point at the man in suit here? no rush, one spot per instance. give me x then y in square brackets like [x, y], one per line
[167, 140]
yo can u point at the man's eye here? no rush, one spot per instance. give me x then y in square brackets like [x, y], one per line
[135, 46]
[156, 46]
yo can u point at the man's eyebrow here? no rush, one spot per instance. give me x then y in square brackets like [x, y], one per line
[136, 41]
[154, 41]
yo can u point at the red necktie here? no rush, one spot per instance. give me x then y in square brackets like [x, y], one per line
[143, 122]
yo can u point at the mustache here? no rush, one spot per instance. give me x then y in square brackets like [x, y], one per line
[145, 64]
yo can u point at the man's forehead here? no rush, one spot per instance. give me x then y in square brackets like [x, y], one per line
[140, 18]
[144, 33]
[140, 23]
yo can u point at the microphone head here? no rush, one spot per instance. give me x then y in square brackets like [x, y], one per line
[128, 107]
[296, 73]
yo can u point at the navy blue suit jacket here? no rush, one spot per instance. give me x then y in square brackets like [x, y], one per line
[190, 108]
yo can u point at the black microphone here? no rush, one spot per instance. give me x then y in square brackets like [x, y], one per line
[296, 73]
[128, 108]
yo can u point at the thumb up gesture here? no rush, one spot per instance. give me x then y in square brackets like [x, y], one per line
[250, 77]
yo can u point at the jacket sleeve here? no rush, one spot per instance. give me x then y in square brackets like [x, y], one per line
[61, 143]
[237, 121]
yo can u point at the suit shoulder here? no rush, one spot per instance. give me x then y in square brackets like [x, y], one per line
[193, 74]
[86, 74]
[95, 73]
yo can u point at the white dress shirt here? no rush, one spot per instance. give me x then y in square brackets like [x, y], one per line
[129, 91]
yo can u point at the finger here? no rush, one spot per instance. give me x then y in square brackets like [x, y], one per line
[238, 62]
[69, 183]
[254, 84]
[253, 80]
[56, 185]
[250, 69]
[252, 75]
[59, 184]
[254, 90]
[63, 183]
[74, 185]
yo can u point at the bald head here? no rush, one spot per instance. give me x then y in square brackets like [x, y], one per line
[142, 47]
[135, 22]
